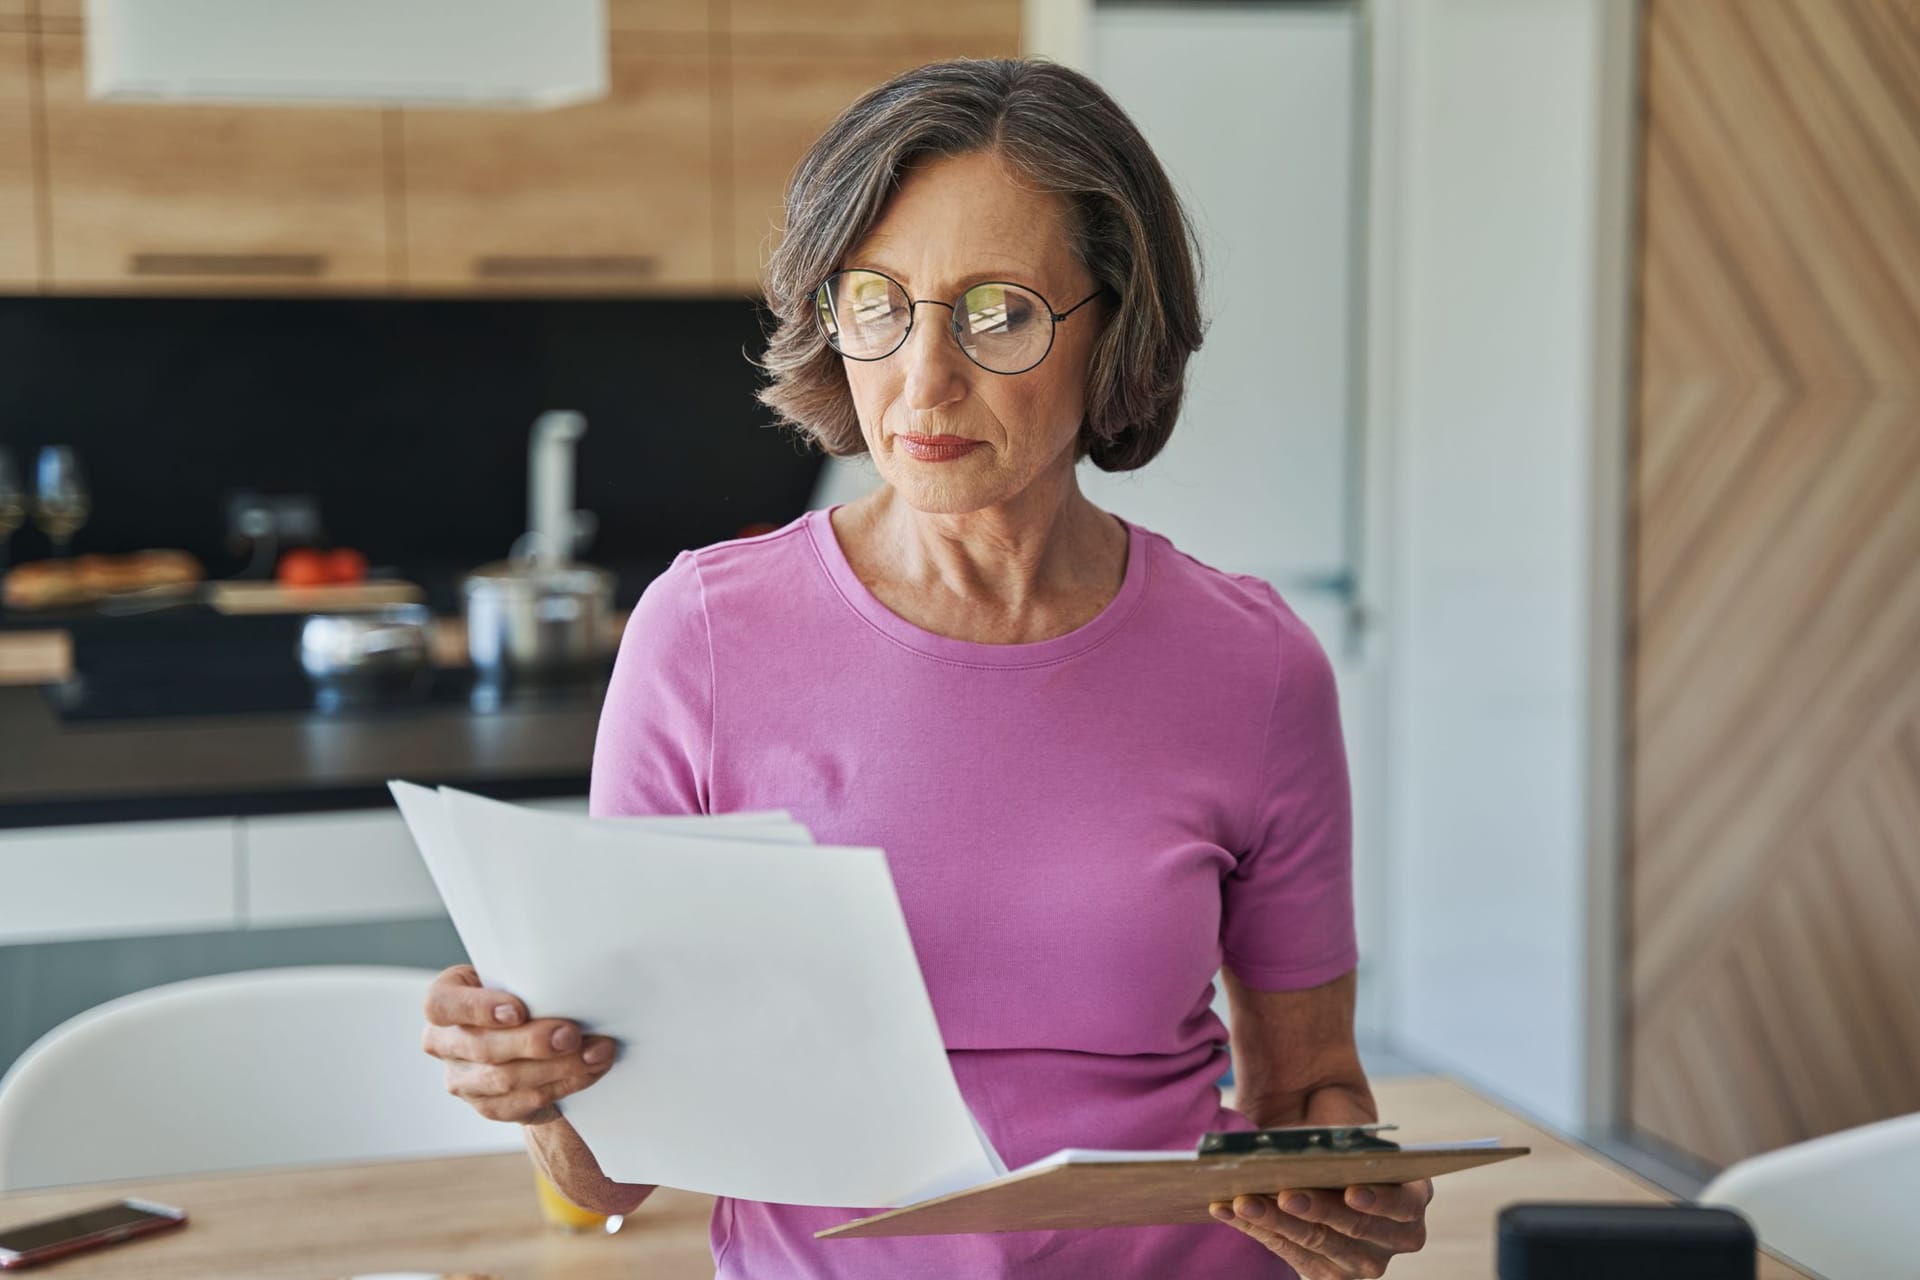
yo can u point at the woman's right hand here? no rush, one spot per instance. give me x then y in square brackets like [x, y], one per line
[503, 1064]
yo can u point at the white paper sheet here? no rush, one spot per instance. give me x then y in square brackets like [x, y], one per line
[777, 1041]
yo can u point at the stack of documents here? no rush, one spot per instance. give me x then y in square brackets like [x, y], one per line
[776, 1039]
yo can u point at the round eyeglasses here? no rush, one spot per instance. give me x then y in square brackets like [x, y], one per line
[1004, 328]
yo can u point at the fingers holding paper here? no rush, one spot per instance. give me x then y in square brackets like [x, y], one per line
[1333, 1235]
[504, 1064]
[457, 999]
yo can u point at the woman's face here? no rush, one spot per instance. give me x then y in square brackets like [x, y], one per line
[949, 436]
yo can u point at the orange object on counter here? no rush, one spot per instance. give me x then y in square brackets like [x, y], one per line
[306, 567]
[345, 565]
[302, 567]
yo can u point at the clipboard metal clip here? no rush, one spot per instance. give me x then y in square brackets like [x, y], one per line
[1299, 1138]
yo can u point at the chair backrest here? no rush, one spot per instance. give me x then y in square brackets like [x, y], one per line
[1837, 1205]
[242, 1070]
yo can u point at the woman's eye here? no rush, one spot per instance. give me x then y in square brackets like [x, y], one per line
[997, 313]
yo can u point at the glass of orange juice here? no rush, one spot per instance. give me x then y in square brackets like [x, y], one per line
[565, 1214]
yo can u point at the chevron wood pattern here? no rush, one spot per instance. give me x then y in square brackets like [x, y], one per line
[1774, 726]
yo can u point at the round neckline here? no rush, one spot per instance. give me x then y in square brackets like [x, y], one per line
[1094, 631]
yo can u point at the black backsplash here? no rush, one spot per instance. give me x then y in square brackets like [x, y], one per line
[408, 419]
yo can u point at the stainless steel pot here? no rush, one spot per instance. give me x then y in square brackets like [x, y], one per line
[381, 655]
[529, 621]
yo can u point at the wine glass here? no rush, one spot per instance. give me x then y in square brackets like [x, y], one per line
[13, 503]
[60, 499]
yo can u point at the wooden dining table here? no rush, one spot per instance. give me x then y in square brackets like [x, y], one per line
[478, 1216]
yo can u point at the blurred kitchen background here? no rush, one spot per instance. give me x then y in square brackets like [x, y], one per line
[1564, 373]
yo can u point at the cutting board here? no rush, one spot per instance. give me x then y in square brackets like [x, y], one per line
[272, 597]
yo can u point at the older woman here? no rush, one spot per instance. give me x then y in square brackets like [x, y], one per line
[1100, 769]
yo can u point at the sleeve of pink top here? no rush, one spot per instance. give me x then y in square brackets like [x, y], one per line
[653, 752]
[1287, 918]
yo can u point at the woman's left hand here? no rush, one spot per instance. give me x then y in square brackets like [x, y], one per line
[1330, 1235]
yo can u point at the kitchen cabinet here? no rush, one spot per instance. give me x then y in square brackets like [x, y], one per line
[783, 96]
[19, 214]
[328, 868]
[182, 199]
[610, 196]
[994, 24]
[341, 868]
[685, 17]
[633, 15]
[117, 880]
[132, 879]
[670, 186]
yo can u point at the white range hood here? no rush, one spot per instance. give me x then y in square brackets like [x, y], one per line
[398, 53]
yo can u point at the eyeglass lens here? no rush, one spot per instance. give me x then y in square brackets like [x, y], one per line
[1002, 327]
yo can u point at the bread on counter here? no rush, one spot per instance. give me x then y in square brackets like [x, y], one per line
[46, 584]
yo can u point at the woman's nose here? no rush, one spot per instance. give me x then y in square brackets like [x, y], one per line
[935, 365]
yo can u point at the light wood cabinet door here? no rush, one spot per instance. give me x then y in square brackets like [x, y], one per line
[683, 17]
[611, 197]
[782, 99]
[19, 218]
[183, 199]
[995, 23]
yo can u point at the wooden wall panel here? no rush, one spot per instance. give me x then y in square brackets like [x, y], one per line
[1775, 721]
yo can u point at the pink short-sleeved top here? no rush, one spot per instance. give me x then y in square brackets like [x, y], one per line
[1081, 830]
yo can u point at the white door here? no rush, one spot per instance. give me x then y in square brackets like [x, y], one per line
[1252, 109]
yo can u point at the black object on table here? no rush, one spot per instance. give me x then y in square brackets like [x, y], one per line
[1572, 1241]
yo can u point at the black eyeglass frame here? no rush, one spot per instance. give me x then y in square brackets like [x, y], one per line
[1054, 317]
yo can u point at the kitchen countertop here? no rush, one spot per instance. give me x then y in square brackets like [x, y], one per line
[55, 772]
[178, 767]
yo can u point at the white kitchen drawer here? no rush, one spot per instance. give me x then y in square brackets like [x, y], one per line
[327, 868]
[118, 879]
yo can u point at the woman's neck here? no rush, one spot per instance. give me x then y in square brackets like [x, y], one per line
[1039, 565]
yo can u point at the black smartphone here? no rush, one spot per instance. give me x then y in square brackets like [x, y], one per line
[50, 1238]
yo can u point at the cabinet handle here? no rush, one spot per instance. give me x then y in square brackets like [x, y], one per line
[305, 265]
[517, 266]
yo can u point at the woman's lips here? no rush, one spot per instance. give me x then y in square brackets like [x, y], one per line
[937, 448]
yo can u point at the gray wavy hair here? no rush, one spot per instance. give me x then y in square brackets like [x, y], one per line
[1055, 127]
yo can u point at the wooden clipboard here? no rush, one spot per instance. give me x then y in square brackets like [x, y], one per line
[1134, 1193]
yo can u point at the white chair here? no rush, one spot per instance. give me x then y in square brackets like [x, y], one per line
[1838, 1205]
[242, 1070]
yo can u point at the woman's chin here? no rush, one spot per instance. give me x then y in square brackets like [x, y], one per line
[934, 489]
